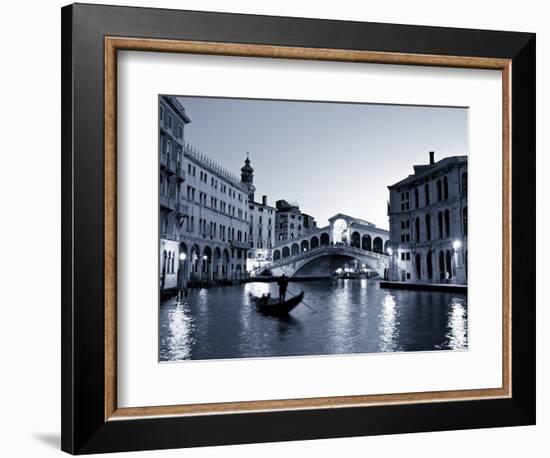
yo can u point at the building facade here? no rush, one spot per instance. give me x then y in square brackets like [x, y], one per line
[172, 122]
[428, 215]
[203, 209]
[261, 233]
[291, 223]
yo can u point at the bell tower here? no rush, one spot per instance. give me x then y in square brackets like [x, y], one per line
[247, 178]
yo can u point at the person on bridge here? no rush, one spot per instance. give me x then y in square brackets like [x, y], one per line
[283, 284]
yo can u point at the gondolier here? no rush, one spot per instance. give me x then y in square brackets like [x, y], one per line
[283, 285]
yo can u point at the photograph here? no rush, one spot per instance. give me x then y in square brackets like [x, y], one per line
[310, 228]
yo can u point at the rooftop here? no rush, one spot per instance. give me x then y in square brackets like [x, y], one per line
[424, 170]
[211, 165]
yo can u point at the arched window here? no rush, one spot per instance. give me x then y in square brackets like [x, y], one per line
[276, 255]
[164, 261]
[440, 224]
[417, 229]
[324, 238]
[439, 191]
[299, 227]
[168, 147]
[441, 266]
[429, 265]
[355, 239]
[445, 188]
[465, 220]
[291, 225]
[418, 267]
[447, 224]
[449, 265]
[427, 194]
[314, 242]
[416, 203]
[295, 248]
[286, 252]
[428, 227]
[464, 184]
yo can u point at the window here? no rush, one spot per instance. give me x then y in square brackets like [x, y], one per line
[416, 203]
[428, 227]
[440, 224]
[447, 224]
[427, 194]
[445, 188]
[417, 229]
[161, 112]
[464, 184]
[439, 191]
[429, 265]
[465, 220]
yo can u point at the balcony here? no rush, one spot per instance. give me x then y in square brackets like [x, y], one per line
[241, 245]
[167, 202]
[168, 164]
[163, 160]
[180, 172]
[181, 208]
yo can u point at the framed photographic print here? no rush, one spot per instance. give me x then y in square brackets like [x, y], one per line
[282, 228]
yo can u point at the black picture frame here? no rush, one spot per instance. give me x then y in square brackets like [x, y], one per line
[84, 428]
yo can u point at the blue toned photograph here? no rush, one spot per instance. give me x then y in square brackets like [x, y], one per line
[297, 228]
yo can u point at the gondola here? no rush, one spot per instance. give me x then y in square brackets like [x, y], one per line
[274, 307]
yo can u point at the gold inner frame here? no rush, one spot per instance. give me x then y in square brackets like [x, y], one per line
[114, 44]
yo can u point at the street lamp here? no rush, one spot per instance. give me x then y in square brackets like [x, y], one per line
[456, 245]
[390, 251]
[181, 279]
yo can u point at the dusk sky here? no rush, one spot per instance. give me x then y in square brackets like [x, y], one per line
[327, 157]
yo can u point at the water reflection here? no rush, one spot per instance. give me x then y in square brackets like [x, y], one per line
[388, 324]
[176, 344]
[457, 328]
[349, 316]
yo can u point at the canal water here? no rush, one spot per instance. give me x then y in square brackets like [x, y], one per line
[351, 316]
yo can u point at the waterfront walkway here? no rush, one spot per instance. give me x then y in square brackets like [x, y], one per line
[449, 287]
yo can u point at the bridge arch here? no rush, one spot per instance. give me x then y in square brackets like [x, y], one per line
[325, 239]
[276, 255]
[286, 252]
[366, 242]
[325, 260]
[314, 243]
[377, 245]
[304, 246]
[295, 249]
[355, 239]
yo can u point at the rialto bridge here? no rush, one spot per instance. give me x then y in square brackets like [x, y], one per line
[321, 252]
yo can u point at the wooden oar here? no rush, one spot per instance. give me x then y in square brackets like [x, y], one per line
[304, 302]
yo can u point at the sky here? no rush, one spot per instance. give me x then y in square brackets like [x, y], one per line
[328, 157]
